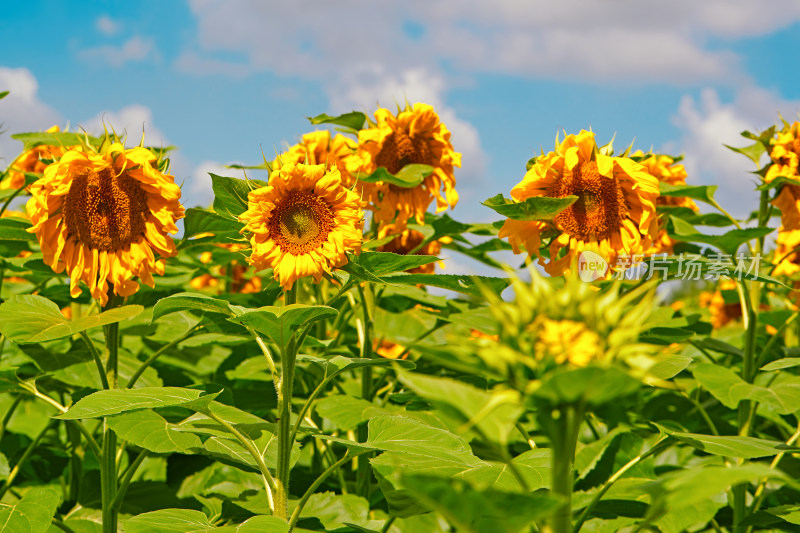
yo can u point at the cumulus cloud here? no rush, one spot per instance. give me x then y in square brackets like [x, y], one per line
[708, 123]
[137, 48]
[21, 111]
[106, 25]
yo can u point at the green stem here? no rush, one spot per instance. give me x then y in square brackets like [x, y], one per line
[150, 360]
[27, 453]
[657, 447]
[62, 526]
[317, 482]
[388, 524]
[10, 199]
[565, 440]
[364, 469]
[97, 359]
[108, 462]
[61, 410]
[126, 479]
[269, 482]
[285, 442]
[8, 415]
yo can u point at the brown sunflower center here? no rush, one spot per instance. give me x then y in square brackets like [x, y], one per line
[600, 206]
[300, 222]
[399, 150]
[104, 211]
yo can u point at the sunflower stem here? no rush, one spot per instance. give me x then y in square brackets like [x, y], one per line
[108, 463]
[364, 469]
[564, 439]
[10, 199]
[285, 438]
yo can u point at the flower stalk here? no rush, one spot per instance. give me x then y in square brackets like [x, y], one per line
[285, 437]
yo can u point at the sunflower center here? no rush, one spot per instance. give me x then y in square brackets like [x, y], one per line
[399, 150]
[104, 211]
[600, 206]
[300, 222]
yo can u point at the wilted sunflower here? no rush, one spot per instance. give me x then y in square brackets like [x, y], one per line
[104, 216]
[33, 160]
[317, 148]
[414, 136]
[407, 241]
[665, 170]
[615, 214]
[302, 222]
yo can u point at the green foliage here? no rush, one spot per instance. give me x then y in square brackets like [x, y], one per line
[535, 208]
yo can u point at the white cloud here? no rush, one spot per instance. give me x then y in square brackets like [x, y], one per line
[708, 123]
[132, 120]
[106, 25]
[137, 48]
[198, 191]
[21, 111]
[193, 63]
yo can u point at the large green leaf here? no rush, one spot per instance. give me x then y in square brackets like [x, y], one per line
[491, 413]
[30, 318]
[280, 323]
[60, 138]
[336, 511]
[199, 221]
[407, 177]
[407, 437]
[115, 401]
[734, 446]
[704, 193]
[188, 301]
[728, 242]
[32, 514]
[353, 120]
[149, 430]
[371, 265]
[473, 511]
[725, 385]
[169, 521]
[535, 208]
[230, 195]
[592, 385]
[14, 229]
[469, 285]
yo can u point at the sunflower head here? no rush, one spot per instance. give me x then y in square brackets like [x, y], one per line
[785, 153]
[33, 160]
[614, 215]
[318, 148]
[302, 223]
[723, 304]
[415, 135]
[103, 216]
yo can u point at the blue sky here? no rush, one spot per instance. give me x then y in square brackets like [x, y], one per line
[225, 79]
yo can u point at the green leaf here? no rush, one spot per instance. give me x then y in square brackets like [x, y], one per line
[592, 385]
[492, 413]
[280, 323]
[169, 521]
[15, 229]
[669, 366]
[32, 319]
[720, 346]
[3, 94]
[189, 301]
[407, 177]
[149, 430]
[336, 511]
[230, 195]
[407, 436]
[533, 466]
[704, 193]
[370, 266]
[54, 139]
[115, 401]
[535, 208]
[726, 386]
[32, 514]
[199, 221]
[753, 152]
[780, 364]
[728, 242]
[472, 511]
[469, 285]
[729, 446]
[353, 120]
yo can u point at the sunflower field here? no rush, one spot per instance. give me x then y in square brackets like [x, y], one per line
[298, 357]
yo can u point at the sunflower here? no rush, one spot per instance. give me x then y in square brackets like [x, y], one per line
[785, 153]
[302, 222]
[32, 160]
[567, 340]
[409, 240]
[390, 350]
[788, 201]
[317, 148]
[787, 246]
[722, 310]
[103, 217]
[615, 214]
[665, 170]
[415, 135]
